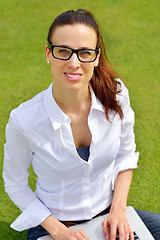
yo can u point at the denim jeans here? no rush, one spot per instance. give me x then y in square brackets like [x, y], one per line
[150, 219]
[36, 232]
[152, 222]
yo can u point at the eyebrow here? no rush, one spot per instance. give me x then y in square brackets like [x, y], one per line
[63, 45]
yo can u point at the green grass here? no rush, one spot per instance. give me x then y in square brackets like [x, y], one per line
[131, 33]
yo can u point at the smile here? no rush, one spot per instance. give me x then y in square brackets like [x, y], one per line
[69, 75]
[72, 76]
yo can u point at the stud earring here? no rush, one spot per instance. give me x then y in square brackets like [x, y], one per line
[48, 61]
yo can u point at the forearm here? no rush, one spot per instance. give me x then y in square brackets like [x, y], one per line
[60, 232]
[117, 220]
[54, 227]
[121, 189]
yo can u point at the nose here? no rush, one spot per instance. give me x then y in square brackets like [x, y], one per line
[73, 61]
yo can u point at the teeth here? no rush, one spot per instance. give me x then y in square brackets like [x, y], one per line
[72, 76]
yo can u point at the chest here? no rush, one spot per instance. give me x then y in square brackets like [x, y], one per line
[80, 130]
[56, 151]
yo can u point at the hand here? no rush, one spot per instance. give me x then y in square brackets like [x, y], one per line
[117, 222]
[60, 232]
[71, 234]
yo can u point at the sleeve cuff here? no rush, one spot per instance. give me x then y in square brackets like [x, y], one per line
[129, 163]
[32, 216]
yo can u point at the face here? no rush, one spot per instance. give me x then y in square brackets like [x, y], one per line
[72, 74]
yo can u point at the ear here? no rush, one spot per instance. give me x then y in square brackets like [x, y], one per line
[48, 53]
[97, 60]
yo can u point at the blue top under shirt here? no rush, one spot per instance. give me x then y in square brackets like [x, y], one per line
[83, 152]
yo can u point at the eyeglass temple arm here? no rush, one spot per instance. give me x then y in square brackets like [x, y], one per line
[49, 45]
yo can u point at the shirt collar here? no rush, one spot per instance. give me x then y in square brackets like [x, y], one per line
[56, 115]
[96, 104]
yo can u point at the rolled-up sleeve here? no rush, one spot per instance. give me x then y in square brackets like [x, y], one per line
[17, 159]
[127, 157]
[32, 216]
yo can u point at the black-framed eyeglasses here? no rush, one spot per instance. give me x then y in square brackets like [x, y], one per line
[65, 53]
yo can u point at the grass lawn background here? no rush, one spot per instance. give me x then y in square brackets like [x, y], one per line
[131, 33]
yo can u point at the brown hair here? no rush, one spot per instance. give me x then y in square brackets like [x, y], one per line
[103, 81]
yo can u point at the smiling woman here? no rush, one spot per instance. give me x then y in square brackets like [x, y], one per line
[81, 55]
[78, 135]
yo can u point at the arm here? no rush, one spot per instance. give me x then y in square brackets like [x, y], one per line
[117, 219]
[17, 160]
[122, 185]
[125, 161]
[60, 232]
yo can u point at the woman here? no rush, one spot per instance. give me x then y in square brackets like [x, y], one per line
[79, 136]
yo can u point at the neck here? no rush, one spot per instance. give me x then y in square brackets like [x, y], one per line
[72, 101]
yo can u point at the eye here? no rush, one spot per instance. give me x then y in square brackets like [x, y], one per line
[63, 51]
[85, 53]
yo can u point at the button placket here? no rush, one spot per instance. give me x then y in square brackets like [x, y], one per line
[68, 137]
[86, 190]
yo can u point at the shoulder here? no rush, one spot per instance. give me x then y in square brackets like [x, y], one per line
[29, 113]
[123, 95]
[121, 86]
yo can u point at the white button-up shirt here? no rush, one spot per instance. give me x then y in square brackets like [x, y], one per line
[68, 187]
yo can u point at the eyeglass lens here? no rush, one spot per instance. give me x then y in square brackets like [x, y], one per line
[63, 53]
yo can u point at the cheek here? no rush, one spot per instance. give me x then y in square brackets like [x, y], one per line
[56, 67]
[53, 70]
[89, 69]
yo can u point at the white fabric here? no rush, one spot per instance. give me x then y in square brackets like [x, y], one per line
[68, 187]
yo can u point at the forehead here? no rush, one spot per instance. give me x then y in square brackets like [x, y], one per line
[75, 36]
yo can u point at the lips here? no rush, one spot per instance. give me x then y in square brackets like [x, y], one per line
[73, 76]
